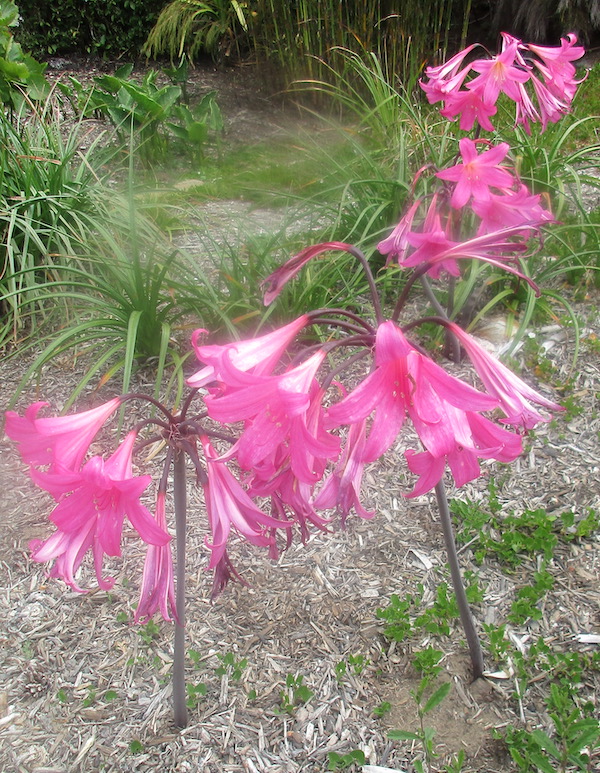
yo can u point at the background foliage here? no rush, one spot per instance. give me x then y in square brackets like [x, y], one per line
[105, 27]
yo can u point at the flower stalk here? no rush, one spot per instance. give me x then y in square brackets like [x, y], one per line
[180, 712]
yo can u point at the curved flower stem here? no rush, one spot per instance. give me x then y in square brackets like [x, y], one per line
[466, 617]
[180, 714]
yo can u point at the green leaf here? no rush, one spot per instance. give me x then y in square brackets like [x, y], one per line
[403, 735]
[437, 697]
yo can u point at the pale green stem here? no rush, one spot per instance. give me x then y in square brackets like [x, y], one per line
[180, 714]
[459, 589]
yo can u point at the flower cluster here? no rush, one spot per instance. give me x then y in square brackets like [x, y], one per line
[92, 498]
[540, 80]
[278, 441]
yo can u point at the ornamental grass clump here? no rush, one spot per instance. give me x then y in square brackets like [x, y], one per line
[275, 437]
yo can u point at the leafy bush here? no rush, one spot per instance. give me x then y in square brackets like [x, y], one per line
[147, 115]
[105, 27]
[19, 72]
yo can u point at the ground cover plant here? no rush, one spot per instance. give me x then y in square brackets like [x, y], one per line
[294, 446]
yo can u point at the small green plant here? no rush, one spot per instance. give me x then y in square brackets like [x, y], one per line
[231, 666]
[149, 632]
[524, 607]
[353, 663]
[62, 696]
[90, 698]
[295, 692]
[136, 747]
[427, 662]
[498, 644]
[573, 744]
[195, 692]
[345, 761]
[382, 709]
[425, 735]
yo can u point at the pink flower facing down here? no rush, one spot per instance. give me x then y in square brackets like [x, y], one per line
[61, 441]
[441, 407]
[275, 282]
[227, 505]
[511, 209]
[477, 173]
[556, 67]
[279, 412]
[92, 505]
[341, 489]
[258, 355]
[515, 396]
[157, 592]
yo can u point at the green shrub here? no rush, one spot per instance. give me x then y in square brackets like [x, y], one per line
[104, 27]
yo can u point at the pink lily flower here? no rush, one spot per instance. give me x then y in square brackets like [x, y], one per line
[446, 78]
[258, 355]
[477, 173]
[488, 248]
[556, 65]
[157, 591]
[471, 437]
[514, 395]
[471, 106]
[61, 441]
[511, 209]
[279, 410]
[404, 382]
[92, 505]
[276, 281]
[500, 73]
[396, 244]
[342, 488]
[227, 505]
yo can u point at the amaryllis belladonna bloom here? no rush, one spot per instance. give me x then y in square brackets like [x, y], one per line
[278, 410]
[341, 488]
[276, 281]
[61, 441]
[227, 505]
[259, 355]
[516, 71]
[460, 441]
[157, 592]
[92, 505]
[404, 382]
[515, 396]
[478, 172]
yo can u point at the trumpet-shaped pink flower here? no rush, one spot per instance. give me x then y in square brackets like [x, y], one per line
[92, 505]
[511, 209]
[446, 78]
[477, 173]
[471, 106]
[158, 587]
[556, 66]
[512, 72]
[228, 505]
[466, 438]
[278, 411]
[500, 73]
[515, 396]
[258, 355]
[342, 488]
[276, 281]
[61, 441]
[396, 244]
[405, 382]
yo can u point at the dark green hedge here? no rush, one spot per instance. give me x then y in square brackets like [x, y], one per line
[102, 27]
